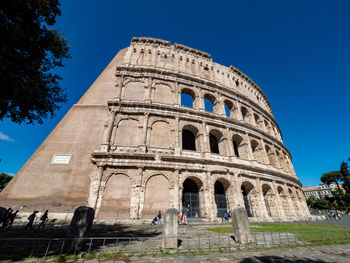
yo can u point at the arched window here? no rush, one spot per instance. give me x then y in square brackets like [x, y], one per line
[228, 108]
[187, 98]
[239, 147]
[214, 143]
[209, 102]
[188, 140]
[244, 112]
[235, 148]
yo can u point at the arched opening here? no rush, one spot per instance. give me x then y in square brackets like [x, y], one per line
[268, 199]
[246, 190]
[187, 98]
[116, 198]
[214, 143]
[188, 140]
[244, 113]
[235, 148]
[220, 198]
[157, 196]
[239, 147]
[190, 198]
[270, 155]
[228, 108]
[209, 102]
[285, 204]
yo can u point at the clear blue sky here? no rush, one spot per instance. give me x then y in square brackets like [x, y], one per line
[298, 52]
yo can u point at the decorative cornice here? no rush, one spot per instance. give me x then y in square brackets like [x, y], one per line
[180, 163]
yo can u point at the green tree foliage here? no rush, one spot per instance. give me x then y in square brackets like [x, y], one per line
[344, 170]
[4, 180]
[332, 177]
[322, 204]
[310, 201]
[29, 51]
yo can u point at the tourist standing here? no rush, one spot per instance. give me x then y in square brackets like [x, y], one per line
[159, 218]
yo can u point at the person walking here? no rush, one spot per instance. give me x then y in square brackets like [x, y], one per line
[6, 217]
[159, 218]
[184, 218]
[43, 218]
[12, 218]
[226, 217]
[31, 219]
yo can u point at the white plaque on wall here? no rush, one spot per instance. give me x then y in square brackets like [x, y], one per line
[61, 158]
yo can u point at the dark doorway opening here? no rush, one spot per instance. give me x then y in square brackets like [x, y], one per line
[190, 198]
[220, 199]
[246, 201]
[214, 143]
[188, 140]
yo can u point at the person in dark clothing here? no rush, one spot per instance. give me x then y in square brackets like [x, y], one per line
[43, 218]
[5, 218]
[12, 218]
[154, 221]
[159, 218]
[31, 219]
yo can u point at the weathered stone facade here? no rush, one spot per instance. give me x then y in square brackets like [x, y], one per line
[136, 149]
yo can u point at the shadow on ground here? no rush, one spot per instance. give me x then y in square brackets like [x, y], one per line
[276, 259]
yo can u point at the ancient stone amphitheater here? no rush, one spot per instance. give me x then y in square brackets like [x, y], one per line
[164, 126]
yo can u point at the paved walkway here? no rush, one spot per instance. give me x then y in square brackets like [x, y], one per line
[334, 253]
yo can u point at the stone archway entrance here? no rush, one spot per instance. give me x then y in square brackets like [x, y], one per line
[247, 189]
[190, 198]
[220, 199]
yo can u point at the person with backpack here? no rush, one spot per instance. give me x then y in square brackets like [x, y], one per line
[31, 219]
[43, 218]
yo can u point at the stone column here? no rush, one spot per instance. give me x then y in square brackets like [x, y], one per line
[170, 228]
[148, 93]
[177, 136]
[119, 92]
[279, 201]
[261, 199]
[95, 186]
[264, 154]
[143, 135]
[205, 142]
[107, 136]
[177, 101]
[250, 153]
[241, 225]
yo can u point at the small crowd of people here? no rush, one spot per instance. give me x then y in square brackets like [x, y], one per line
[335, 214]
[6, 220]
[157, 219]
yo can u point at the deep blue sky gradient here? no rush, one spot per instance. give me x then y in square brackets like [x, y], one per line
[298, 52]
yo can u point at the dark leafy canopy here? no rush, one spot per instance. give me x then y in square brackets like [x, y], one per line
[344, 169]
[29, 50]
[332, 177]
[4, 179]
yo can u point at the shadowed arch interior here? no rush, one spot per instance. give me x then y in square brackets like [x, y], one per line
[190, 197]
[220, 198]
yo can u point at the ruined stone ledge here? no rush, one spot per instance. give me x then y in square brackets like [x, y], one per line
[183, 163]
[128, 106]
[133, 71]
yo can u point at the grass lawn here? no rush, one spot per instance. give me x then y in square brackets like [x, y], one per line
[291, 228]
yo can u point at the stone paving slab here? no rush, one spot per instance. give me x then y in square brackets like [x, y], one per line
[320, 254]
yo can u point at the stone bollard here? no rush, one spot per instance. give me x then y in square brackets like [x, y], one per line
[240, 225]
[170, 228]
[81, 223]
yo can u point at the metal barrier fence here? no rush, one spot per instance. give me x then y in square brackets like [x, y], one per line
[43, 247]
